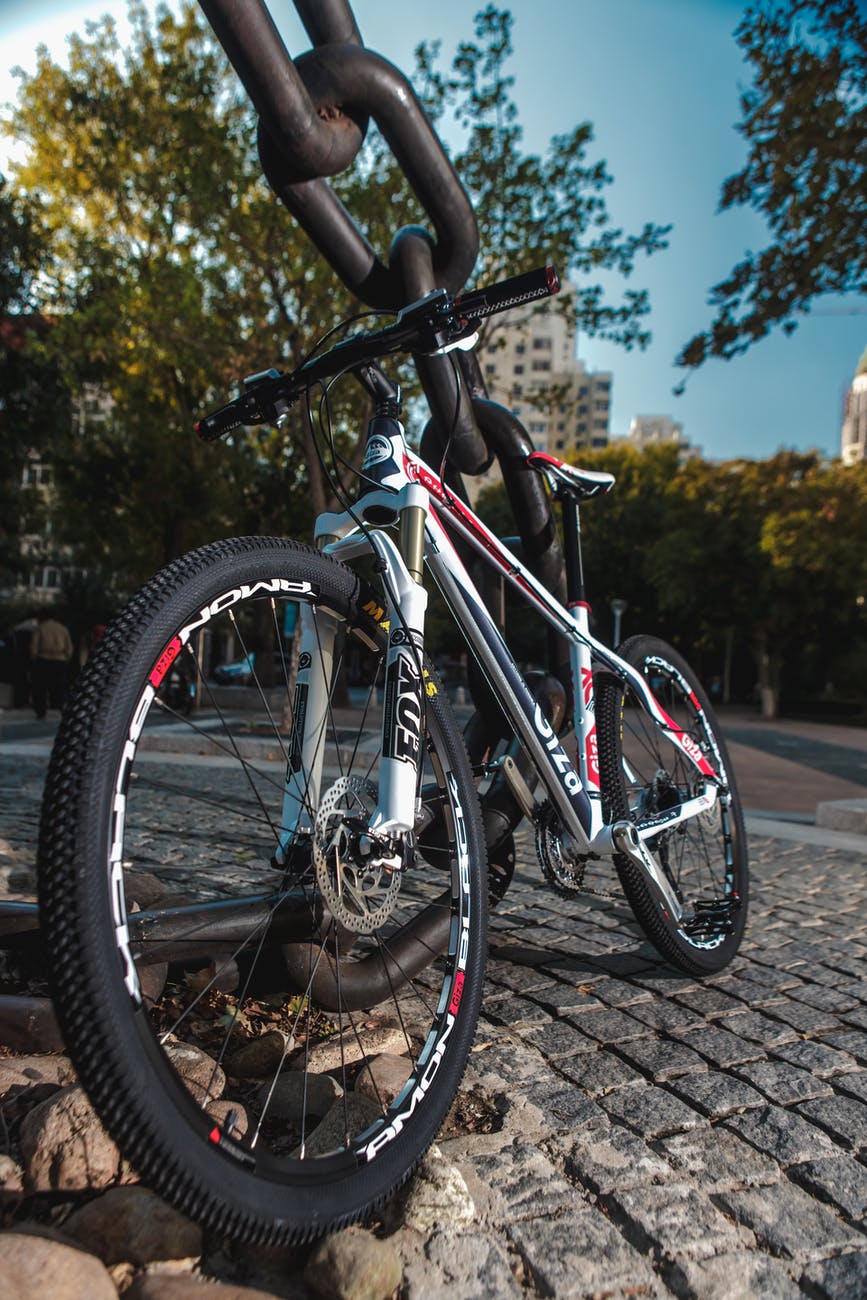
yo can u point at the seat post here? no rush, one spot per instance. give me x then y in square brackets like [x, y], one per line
[571, 518]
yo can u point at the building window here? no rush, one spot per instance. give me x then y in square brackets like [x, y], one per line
[537, 426]
[541, 365]
[560, 444]
[517, 390]
[490, 370]
[561, 426]
[542, 345]
[520, 349]
[519, 370]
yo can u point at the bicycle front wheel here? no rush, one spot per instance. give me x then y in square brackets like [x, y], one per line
[270, 1024]
[643, 774]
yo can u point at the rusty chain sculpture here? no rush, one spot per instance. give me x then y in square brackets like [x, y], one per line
[313, 115]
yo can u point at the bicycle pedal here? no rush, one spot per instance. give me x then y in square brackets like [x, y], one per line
[713, 917]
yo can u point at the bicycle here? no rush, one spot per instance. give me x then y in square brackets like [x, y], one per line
[268, 951]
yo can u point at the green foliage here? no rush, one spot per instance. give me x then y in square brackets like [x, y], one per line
[34, 403]
[805, 120]
[775, 550]
[170, 271]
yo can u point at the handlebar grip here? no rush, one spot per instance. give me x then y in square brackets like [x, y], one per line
[214, 426]
[253, 407]
[514, 292]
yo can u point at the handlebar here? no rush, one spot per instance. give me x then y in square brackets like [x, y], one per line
[427, 326]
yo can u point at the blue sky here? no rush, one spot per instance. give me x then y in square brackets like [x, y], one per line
[660, 81]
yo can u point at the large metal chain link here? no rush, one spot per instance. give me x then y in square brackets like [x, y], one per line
[313, 114]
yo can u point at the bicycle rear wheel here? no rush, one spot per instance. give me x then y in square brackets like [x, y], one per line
[642, 774]
[271, 1030]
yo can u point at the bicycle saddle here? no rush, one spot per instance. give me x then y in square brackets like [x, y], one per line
[569, 479]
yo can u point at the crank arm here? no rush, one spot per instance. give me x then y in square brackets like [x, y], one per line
[626, 840]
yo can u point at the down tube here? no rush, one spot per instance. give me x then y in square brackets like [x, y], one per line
[483, 636]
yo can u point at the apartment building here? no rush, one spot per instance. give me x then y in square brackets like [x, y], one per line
[660, 430]
[853, 441]
[530, 365]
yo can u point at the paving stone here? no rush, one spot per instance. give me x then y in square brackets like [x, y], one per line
[772, 977]
[718, 1160]
[853, 1085]
[760, 1029]
[472, 1266]
[496, 1064]
[784, 1083]
[521, 979]
[781, 1134]
[661, 1059]
[559, 1038]
[608, 1026]
[722, 1048]
[741, 1276]
[789, 1222]
[807, 1020]
[579, 1255]
[674, 1221]
[521, 1183]
[710, 1002]
[609, 1157]
[818, 1058]
[843, 1117]
[620, 993]
[839, 1279]
[650, 1111]
[855, 1043]
[858, 1017]
[824, 998]
[561, 1104]
[515, 1011]
[565, 997]
[749, 991]
[666, 1017]
[600, 1072]
[716, 1094]
[840, 1180]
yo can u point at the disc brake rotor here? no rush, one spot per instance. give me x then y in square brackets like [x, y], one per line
[360, 890]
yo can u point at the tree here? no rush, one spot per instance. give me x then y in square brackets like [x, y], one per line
[531, 209]
[34, 404]
[766, 560]
[171, 270]
[805, 119]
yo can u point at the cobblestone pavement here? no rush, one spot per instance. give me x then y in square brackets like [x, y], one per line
[652, 1135]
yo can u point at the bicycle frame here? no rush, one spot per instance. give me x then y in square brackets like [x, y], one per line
[408, 492]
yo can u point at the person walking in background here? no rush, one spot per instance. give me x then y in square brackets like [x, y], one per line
[50, 653]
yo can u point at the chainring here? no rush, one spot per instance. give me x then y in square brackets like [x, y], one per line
[564, 872]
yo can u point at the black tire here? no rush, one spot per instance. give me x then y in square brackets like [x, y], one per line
[642, 773]
[199, 823]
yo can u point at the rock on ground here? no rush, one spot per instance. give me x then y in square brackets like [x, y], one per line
[64, 1146]
[32, 1267]
[353, 1265]
[133, 1224]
